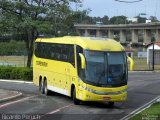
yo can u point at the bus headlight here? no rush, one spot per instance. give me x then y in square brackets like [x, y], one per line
[87, 89]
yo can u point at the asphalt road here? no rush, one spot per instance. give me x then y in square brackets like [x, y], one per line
[143, 87]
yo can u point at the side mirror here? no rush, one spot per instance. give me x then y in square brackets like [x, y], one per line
[131, 63]
[83, 61]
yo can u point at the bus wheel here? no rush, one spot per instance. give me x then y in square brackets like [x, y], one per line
[75, 100]
[46, 91]
[41, 88]
[110, 104]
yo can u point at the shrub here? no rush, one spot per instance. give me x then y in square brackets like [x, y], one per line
[7, 72]
[26, 74]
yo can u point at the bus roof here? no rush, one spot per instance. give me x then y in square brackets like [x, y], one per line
[91, 43]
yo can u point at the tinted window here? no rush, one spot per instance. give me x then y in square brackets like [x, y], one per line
[60, 52]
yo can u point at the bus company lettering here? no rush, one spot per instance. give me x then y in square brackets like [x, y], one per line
[40, 63]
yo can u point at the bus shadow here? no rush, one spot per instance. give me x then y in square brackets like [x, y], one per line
[53, 95]
[99, 105]
[85, 103]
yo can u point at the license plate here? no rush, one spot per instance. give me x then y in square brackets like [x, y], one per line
[106, 98]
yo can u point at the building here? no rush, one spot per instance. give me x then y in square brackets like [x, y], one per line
[132, 20]
[156, 53]
[139, 33]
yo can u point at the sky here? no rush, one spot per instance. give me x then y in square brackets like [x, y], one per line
[113, 8]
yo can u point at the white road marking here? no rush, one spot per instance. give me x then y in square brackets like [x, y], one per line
[57, 110]
[11, 97]
[16, 81]
[13, 102]
[138, 110]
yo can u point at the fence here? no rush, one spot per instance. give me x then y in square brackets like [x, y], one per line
[13, 53]
[19, 61]
[143, 61]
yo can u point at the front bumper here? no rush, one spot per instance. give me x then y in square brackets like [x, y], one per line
[117, 96]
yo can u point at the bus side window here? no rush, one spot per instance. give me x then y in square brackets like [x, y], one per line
[71, 55]
[64, 52]
[56, 52]
[41, 52]
[36, 49]
[53, 52]
[45, 51]
[48, 51]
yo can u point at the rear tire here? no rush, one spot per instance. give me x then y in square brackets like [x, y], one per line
[41, 87]
[46, 91]
[75, 100]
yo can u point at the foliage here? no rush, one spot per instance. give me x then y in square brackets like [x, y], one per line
[12, 48]
[118, 20]
[141, 19]
[105, 19]
[8, 72]
[153, 19]
[86, 19]
[29, 18]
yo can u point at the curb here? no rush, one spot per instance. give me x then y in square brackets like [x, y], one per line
[11, 97]
[140, 109]
[16, 81]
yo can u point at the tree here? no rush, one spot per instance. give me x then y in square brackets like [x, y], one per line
[118, 20]
[141, 19]
[29, 18]
[83, 17]
[105, 19]
[153, 18]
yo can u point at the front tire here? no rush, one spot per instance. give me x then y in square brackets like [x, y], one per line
[75, 100]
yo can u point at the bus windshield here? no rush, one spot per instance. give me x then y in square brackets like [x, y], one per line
[106, 68]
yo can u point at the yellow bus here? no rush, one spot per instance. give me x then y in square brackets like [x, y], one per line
[84, 68]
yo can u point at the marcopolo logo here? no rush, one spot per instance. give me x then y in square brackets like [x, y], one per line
[40, 63]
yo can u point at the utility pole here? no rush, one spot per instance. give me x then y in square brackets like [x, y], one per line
[153, 57]
[152, 40]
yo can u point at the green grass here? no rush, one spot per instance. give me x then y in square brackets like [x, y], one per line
[151, 113]
[141, 64]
